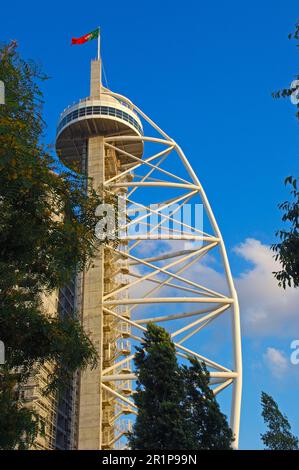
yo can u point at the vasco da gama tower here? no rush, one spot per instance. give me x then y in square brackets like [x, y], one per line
[166, 268]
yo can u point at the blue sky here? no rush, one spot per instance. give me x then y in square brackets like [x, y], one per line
[205, 72]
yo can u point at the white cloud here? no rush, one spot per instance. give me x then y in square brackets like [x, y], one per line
[266, 309]
[276, 361]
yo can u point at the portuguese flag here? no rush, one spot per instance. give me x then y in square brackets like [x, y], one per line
[87, 37]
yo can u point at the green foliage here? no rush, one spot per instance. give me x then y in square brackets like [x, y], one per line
[292, 90]
[287, 250]
[176, 408]
[160, 420]
[295, 34]
[31, 338]
[207, 425]
[278, 436]
[46, 236]
[18, 425]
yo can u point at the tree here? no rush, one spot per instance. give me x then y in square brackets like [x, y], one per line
[176, 408]
[46, 236]
[209, 426]
[160, 422]
[278, 436]
[287, 250]
[18, 425]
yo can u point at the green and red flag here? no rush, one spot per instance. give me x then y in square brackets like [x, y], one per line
[87, 37]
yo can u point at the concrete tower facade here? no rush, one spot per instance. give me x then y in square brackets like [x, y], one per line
[80, 141]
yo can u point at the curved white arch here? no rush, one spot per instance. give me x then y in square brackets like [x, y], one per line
[223, 302]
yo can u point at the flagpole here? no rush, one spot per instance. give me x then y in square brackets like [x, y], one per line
[99, 45]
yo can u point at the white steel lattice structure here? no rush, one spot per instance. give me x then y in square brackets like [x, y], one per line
[160, 271]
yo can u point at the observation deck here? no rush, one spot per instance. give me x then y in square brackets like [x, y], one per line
[102, 115]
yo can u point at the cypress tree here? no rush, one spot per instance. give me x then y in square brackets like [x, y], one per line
[279, 435]
[160, 423]
[207, 424]
[176, 407]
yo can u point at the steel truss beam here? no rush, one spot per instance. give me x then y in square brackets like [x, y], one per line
[147, 275]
